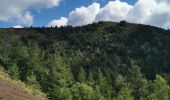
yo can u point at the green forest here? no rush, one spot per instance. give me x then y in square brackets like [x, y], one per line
[99, 61]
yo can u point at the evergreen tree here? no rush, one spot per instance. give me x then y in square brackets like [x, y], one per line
[160, 90]
[138, 83]
[120, 82]
[103, 85]
[82, 91]
[125, 94]
[60, 79]
[14, 71]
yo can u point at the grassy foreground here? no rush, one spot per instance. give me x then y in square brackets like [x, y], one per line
[26, 88]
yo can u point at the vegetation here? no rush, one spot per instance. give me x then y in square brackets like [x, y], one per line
[100, 61]
[25, 87]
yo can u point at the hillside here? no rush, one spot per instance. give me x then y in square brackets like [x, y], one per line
[16, 90]
[100, 61]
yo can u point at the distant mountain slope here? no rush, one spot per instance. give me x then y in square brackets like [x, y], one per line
[99, 61]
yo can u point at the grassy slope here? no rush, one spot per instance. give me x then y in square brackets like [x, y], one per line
[18, 88]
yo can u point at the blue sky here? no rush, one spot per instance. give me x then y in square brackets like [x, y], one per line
[70, 12]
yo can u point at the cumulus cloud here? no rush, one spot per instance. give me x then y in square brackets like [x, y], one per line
[114, 11]
[19, 10]
[157, 12]
[61, 22]
[83, 15]
[24, 19]
[80, 16]
[152, 12]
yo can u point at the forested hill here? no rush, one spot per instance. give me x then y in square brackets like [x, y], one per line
[100, 61]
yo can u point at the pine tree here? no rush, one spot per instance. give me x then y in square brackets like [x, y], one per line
[125, 94]
[138, 83]
[103, 85]
[14, 71]
[124, 91]
[160, 90]
[60, 79]
[120, 82]
[82, 91]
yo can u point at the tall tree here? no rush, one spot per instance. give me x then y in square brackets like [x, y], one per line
[125, 94]
[160, 90]
[60, 79]
[104, 86]
[82, 91]
[138, 83]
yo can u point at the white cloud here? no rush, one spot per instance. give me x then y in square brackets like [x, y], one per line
[152, 12]
[24, 19]
[114, 11]
[61, 22]
[19, 10]
[83, 15]
[80, 16]
[18, 26]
